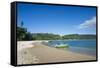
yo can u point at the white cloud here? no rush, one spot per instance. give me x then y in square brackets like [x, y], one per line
[88, 23]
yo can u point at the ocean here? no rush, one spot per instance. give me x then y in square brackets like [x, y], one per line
[87, 47]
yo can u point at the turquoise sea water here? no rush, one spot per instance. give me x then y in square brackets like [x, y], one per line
[79, 46]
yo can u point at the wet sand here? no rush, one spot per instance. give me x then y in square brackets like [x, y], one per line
[36, 52]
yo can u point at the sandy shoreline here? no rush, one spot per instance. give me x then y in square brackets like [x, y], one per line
[35, 52]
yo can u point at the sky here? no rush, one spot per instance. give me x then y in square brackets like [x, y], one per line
[60, 20]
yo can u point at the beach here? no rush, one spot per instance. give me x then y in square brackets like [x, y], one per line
[35, 52]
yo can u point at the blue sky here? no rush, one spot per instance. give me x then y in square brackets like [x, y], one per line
[57, 19]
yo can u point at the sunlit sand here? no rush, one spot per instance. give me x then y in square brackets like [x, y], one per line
[34, 52]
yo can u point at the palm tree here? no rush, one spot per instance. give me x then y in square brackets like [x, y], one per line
[22, 24]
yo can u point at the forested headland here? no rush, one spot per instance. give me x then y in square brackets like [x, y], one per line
[23, 34]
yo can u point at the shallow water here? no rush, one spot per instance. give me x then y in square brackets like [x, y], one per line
[87, 47]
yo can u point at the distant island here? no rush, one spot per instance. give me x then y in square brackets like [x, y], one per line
[23, 34]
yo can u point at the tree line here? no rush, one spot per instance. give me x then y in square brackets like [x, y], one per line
[23, 34]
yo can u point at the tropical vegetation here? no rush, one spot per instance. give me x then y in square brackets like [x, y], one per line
[23, 34]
